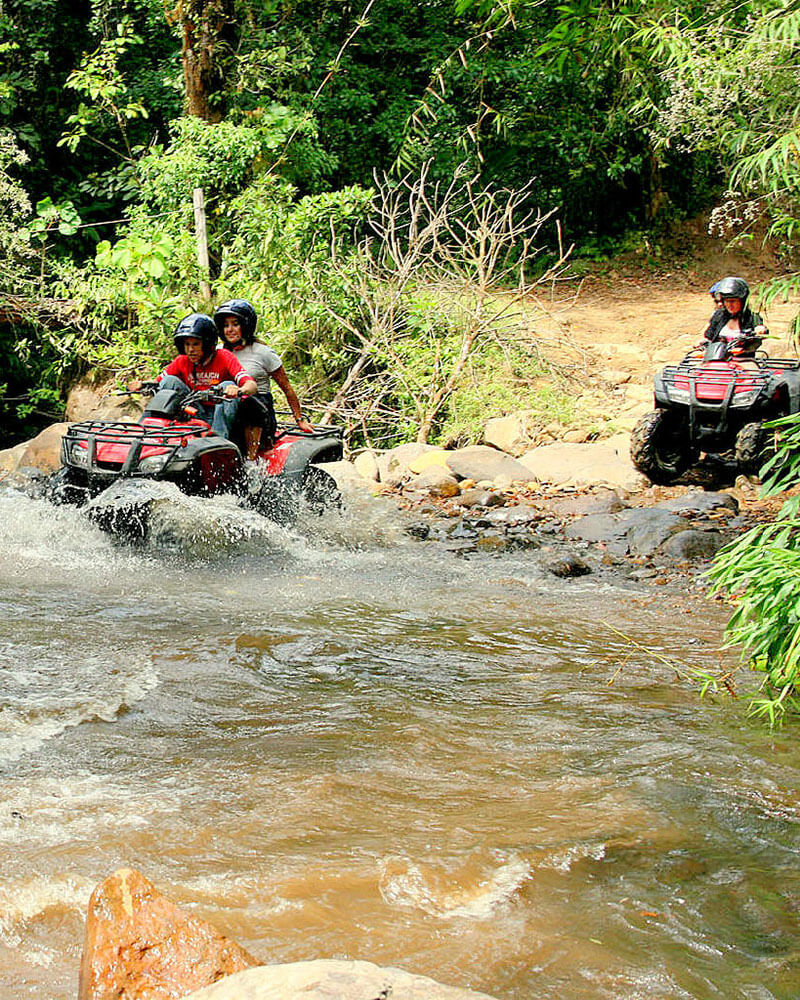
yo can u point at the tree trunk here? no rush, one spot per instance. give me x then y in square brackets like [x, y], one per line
[208, 38]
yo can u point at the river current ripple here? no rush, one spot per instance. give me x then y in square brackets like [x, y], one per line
[333, 742]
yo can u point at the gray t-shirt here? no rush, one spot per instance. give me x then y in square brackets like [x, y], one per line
[259, 361]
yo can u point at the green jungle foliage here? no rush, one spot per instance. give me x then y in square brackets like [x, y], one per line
[619, 115]
[598, 109]
[761, 573]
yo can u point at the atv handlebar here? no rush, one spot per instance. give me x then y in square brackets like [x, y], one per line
[145, 388]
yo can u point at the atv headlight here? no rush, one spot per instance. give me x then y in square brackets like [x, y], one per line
[79, 455]
[153, 463]
[678, 395]
[745, 398]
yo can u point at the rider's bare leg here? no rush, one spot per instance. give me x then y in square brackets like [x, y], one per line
[252, 439]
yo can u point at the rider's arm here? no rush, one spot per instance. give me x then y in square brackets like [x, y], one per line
[282, 379]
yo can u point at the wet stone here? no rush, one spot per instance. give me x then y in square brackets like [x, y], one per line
[418, 529]
[643, 573]
[460, 545]
[603, 502]
[461, 529]
[699, 502]
[567, 566]
[519, 514]
[492, 543]
[596, 528]
[522, 540]
[478, 498]
[645, 537]
[693, 545]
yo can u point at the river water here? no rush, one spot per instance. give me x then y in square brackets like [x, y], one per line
[337, 743]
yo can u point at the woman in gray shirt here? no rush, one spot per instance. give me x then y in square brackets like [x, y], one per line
[236, 321]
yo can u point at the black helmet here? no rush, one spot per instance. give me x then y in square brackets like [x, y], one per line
[244, 312]
[196, 325]
[733, 288]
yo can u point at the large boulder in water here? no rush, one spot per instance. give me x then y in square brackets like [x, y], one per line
[42, 452]
[156, 512]
[603, 463]
[90, 399]
[394, 465]
[141, 946]
[482, 463]
[326, 979]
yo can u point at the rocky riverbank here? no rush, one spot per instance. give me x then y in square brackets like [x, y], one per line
[140, 945]
[577, 507]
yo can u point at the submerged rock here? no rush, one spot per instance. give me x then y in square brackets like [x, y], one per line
[141, 946]
[567, 566]
[693, 545]
[332, 979]
[699, 502]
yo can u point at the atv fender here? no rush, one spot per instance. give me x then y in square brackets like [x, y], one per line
[791, 383]
[660, 392]
[311, 451]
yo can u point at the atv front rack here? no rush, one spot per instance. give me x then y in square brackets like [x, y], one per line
[712, 384]
[718, 394]
[82, 442]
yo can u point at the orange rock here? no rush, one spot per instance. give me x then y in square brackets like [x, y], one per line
[140, 946]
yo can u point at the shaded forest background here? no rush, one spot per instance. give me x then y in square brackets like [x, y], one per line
[388, 182]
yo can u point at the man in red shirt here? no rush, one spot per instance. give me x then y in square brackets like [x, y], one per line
[201, 365]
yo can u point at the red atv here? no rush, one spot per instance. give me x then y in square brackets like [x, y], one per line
[716, 400]
[171, 443]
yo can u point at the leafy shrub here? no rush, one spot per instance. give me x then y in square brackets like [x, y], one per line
[761, 573]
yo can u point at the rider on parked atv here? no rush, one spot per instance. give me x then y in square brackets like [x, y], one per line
[734, 320]
[236, 322]
[201, 365]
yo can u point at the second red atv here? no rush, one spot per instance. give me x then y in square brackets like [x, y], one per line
[716, 400]
[171, 443]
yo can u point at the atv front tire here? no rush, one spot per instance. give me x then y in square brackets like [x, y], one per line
[64, 487]
[660, 446]
[753, 448]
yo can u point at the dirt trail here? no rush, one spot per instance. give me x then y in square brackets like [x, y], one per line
[624, 320]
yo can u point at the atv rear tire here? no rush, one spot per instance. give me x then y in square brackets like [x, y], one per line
[660, 446]
[319, 491]
[753, 448]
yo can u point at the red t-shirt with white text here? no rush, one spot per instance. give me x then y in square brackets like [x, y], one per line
[222, 366]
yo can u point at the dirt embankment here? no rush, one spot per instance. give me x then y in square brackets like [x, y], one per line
[610, 330]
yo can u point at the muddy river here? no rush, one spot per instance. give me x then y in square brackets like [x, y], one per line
[338, 742]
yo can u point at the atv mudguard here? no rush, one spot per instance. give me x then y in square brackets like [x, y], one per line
[790, 381]
[311, 451]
